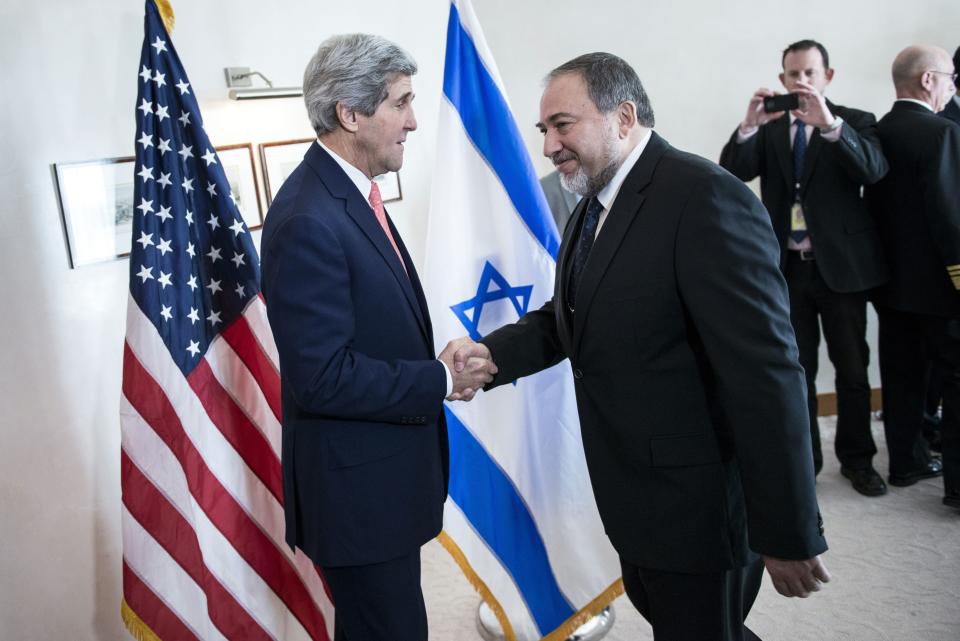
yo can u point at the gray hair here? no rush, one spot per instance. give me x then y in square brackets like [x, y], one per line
[610, 82]
[355, 69]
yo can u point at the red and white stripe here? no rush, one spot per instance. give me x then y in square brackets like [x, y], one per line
[203, 528]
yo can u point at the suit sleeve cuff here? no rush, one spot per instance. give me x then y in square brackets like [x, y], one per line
[446, 371]
[833, 133]
[746, 133]
[954, 272]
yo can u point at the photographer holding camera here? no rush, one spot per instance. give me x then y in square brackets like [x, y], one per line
[812, 165]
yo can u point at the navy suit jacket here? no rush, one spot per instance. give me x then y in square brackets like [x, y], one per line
[365, 459]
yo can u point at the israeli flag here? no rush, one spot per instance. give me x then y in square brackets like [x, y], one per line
[521, 519]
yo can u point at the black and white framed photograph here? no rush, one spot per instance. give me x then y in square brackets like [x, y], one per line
[238, 165]
[96, 203]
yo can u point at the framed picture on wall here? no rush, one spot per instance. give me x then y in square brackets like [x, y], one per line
[96, 201]
[389, 186]
[237, 161]
[279, 159]
[96, 205]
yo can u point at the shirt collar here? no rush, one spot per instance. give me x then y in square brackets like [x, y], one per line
[914, 100]
[356, 176]
[608, 194]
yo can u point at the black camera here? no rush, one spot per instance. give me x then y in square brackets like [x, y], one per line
[786, 102]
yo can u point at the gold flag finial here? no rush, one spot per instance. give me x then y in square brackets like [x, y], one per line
[166, 12]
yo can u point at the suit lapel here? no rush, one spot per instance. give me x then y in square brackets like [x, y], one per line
[358, 209]
[414, 287]
[780, 136]
[813, 150]
[363, 216]
[625, 208]
[564, 264]
[810, 159]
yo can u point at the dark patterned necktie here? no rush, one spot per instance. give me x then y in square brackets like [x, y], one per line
[798, 235]
[587, 234]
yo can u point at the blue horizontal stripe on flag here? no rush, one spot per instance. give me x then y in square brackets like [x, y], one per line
[490, 125]
[498, 514]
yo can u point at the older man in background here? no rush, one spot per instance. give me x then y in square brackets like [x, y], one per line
[918, 209]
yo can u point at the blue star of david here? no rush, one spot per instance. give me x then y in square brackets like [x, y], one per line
[493, 287]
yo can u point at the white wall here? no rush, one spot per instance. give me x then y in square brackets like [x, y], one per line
[69, 74]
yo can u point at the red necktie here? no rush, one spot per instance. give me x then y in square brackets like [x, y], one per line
[377, 203]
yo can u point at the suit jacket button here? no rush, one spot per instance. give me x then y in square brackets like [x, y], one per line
[578, 373]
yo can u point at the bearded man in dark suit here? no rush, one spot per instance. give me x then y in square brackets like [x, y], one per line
[670, 305]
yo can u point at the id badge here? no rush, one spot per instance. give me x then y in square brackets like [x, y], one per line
[797, 221]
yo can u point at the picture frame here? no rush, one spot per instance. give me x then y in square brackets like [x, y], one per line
[96, 201]
[279, 159]
[389, 184]
[96, 207]
[240, 169]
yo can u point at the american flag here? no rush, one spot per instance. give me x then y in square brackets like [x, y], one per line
[203, 530]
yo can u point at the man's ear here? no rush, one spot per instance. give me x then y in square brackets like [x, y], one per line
[828, 74]
[626, 117]
[347, 118]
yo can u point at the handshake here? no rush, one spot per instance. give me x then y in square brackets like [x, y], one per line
[470, 365]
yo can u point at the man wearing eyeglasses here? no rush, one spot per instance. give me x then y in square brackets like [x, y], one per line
[917, 206]
[829, 246]
[952, 110]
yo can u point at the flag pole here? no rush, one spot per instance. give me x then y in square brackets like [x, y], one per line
[166, 13]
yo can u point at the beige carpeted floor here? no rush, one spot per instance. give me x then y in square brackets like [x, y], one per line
[895, 562]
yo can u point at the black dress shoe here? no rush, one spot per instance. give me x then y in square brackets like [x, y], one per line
[866, 481]
[952, 499]
[933, 468]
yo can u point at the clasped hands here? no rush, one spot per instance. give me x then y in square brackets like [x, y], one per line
[470, 365]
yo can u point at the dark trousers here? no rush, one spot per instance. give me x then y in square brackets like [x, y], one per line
[379, 602]
[844, 320]
[695, 607]
[907, 343]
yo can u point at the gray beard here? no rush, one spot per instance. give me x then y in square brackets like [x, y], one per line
[586, 186]
[589, 186]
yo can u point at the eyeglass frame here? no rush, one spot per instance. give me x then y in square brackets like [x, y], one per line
[953, 75]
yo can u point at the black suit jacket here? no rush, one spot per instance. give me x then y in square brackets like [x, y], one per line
[843, 233]
[692, 403]
[364, 439]
[952, 111]
[918, 208]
